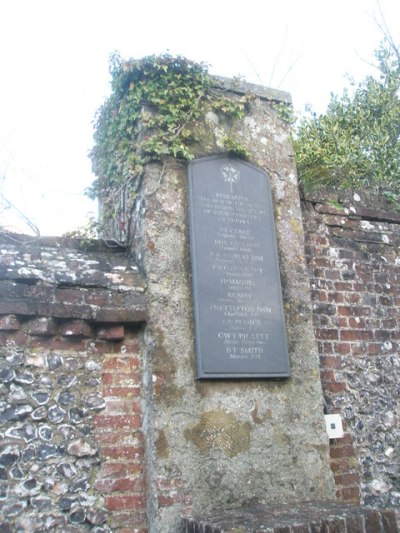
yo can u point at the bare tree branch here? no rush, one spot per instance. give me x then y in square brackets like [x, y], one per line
[9, 205]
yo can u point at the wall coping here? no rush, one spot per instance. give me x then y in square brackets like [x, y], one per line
[58, 278]
[368, 204]
[239, 86]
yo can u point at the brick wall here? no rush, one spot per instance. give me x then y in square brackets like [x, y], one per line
[119, 433]
[352, 250]
[80, 403]
[71, 452]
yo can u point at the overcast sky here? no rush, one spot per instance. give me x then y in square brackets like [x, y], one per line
[54, 74]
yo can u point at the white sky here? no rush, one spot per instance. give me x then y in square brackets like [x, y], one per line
[54, 74]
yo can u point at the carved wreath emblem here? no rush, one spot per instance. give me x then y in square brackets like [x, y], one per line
[231, 174]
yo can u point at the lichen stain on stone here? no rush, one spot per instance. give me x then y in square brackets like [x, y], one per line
[162, 447]
[299, 312]
[297, 227]
[170, 394]
[258, 415]
[281, 440]
[219, 429]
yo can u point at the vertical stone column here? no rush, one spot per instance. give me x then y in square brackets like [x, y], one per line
[228, 443]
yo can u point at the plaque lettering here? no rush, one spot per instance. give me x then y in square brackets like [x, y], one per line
[238, 310]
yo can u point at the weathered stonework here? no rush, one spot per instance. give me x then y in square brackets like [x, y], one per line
[48, 451]
[304, 517]
[103, 425]
[225, 444]
[353, 252]
[71, 453]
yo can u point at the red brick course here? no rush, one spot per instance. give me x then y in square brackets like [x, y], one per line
[119, 434]
[354, 285]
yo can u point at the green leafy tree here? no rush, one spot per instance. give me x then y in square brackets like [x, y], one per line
[356, 143]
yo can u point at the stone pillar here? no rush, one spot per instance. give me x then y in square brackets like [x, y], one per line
[228, 443]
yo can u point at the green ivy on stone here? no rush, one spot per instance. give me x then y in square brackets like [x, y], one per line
[154, 111]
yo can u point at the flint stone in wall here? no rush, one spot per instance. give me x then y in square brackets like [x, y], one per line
[67, 431]
[39, 414]
[35, 360]
[27, 432]
[54, 361]
[16, 473]
[30, 487]
[26, 378]
[66, 398]
[46, 451]
[80, 448]
[30, 522]
[3, 491]
[93, 382]
[41, 503]
[14, 359]
[77, 516]
[45, 433]
[13, 510]
[17, 394]
[55, 521]
[40, 397]
[79, 485]
[56, 414]
[66, 502]
[28, 453]
[45, 381]
[95, 401]
[92, 365]
[14, 413]
[9, 455]
[96, 517]
[76, 415]
[86, 500]
[394, 499]
[66, 380]
[67, 470]
[7, 375]
[73, 364]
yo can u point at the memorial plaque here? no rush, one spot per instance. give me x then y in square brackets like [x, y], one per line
[238, 311]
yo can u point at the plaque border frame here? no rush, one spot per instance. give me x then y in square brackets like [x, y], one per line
[236, 376]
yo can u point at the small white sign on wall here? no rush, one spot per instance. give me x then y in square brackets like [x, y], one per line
[334, 426]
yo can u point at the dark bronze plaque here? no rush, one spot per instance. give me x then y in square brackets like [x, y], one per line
[239, 321]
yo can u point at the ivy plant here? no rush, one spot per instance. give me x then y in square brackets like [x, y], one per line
[154, 111]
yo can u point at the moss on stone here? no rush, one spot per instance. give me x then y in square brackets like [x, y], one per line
[219, 429]
[162, 446]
